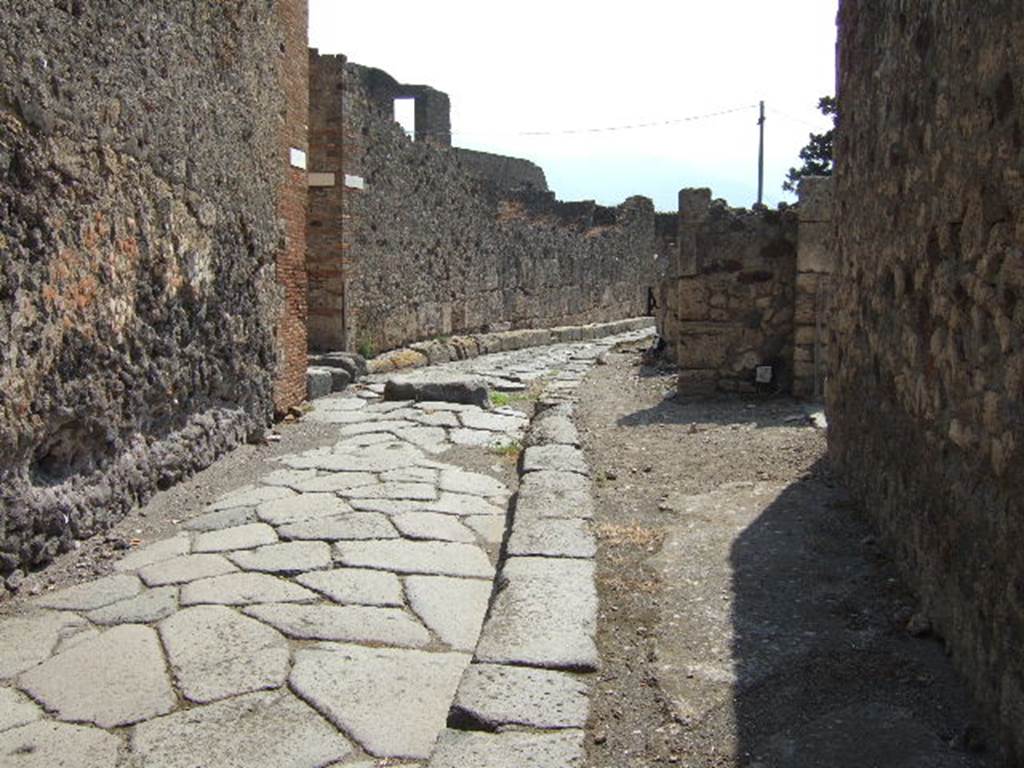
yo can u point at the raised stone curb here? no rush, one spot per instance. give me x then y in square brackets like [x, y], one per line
[461, 348]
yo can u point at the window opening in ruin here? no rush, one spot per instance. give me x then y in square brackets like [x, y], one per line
[405, 116]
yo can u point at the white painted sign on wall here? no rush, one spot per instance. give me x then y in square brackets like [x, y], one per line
[354, 182]
[298, 158]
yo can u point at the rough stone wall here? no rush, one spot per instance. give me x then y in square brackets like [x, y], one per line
[141, 188]
[815, 262]
[926, 400]
[505, 174]
[431, 248]
[728, 299]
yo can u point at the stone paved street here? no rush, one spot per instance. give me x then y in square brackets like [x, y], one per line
[332, 611]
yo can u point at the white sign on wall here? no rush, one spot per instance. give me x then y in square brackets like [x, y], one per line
[354, 182]
[298, 158]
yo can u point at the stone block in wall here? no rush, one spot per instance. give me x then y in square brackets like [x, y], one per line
[815, 193]
[703, 345]
[816, 248]
[694, 204]
[691, 299]
[806, 308]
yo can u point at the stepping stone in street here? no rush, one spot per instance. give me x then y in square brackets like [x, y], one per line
[554, 494]
[146, 607]
[491, 696]
[239, 537]
[463, 504]
[27, 640]
[308, 506]
[354, 623]
[453, 608]
[552, 537]
[183, 569]
[545, 616]
[290, 557]
[16, 710]
[154, 553]
[511, 749]
[429, 557]
[93, 594]
[45, 744]
[437, 385]
[244, 589]
[460, 481]
[216, 653]
[354, 525]
[256, 730]
[559, 458]
[352, 686]
[115, 679]
[250, 496]
[356, 586]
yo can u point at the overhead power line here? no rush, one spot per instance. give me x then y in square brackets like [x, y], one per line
[635, 126]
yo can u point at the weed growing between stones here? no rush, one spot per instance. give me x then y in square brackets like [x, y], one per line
[509, 450]
[500, 399]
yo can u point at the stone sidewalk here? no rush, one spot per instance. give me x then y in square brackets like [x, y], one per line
[328, 613]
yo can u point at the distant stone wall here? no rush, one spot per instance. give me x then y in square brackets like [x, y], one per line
[428, 246]
[729, 297]
[150, 251]
[926, 400]
[815, 263]
[505, 174]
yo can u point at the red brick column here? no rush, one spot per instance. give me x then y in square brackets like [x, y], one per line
[290, 379]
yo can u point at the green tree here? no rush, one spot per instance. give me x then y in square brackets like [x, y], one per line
[817, 155]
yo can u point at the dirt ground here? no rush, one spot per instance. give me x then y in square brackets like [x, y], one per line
[747, 616]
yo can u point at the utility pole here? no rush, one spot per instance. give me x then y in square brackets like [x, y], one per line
[760, 158]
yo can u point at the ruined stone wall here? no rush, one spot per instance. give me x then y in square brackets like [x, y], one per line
[505, 174]
[815, 263]
[431, 248]
[143, 226]
[727, 304]
[926, 400]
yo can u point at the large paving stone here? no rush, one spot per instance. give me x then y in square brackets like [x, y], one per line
[490, 529]
[430, 557]
[429, 439]
[239, 537]
[394, 490]
[250, 496]
[432, 526]
[492, 422]
[460, 749]
[46, 744]
[492, 695]
[453, 608]
[478, 438]
[374, 458]
[393, 426]
[30, 639]
[180, 570]
[93, 594]
[257, 730]
[356, 586]
[224, 518]
[545, 616]
[151, 605]
[559, 458]
[16, 709]
[244, 589]
[552, 537]
[308, 506]
[432, 418]
[354, 623]
[436, 386]
[332, 482]
[463, 504]
[154, 553]
[289, 478]
[355, 525]
[290, 557]
[554, 494]
[115, 679]
[353, 686]
[215, 653]
[411, 475]
[460, 481]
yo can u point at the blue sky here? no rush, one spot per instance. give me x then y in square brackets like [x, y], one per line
[565, 68]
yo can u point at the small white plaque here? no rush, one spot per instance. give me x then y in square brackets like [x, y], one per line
[354, 182]
[763, 374]
[318, 179]
[298, 158]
